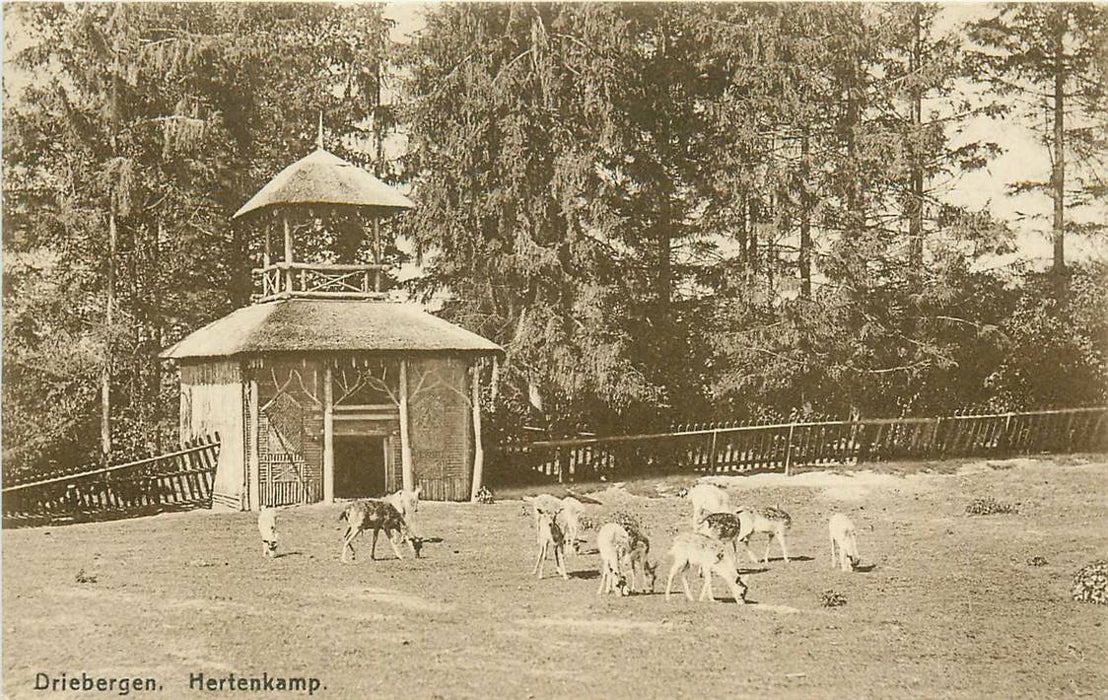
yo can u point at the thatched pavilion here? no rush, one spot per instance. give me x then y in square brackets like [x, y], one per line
[321, 389]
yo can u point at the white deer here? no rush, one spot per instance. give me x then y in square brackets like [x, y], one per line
[267, 528]
[624, 553]
[842, 534]
[614, 544]
[708, 498]
[407, 502]
[549, 536]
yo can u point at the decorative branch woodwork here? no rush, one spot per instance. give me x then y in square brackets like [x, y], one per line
[366, 378]
[282, 388]
[286, 280]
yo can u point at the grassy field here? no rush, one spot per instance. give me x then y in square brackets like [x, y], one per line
[951, 608]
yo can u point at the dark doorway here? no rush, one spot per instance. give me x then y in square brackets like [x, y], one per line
[359, 466]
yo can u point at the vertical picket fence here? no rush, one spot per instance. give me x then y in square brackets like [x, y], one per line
[786, 446]
[178, 479]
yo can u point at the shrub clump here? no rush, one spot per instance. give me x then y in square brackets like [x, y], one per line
[1037, 561]
[832, 599]
[1090, 584]
[484, 495]
[990, 506]
[628, 521]
[83, 577]
[586, 522]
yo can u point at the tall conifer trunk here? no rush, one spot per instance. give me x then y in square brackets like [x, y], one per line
[106, 370]
[109, 311]
[1058, 176]
[805, 261]
[915, 204]
[853, 111]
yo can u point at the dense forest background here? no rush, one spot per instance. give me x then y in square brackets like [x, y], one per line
[663, 212]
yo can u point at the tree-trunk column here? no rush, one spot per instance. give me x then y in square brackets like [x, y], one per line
[254, 488]
[478, 448]
[405, 435]
[328, 437]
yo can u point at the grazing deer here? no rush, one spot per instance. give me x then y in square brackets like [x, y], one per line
[572, 510]
[407, 502]
[842, 534]
[728, 527]
[640, 550]
[773, 522]
[267, 528]
[543, 503]
[376, 515]
[708, 498]
[548, 535]
[711, 557]
[614, 544]
[624, 553]
[568, 510]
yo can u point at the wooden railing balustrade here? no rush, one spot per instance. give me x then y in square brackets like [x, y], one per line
[285, 280]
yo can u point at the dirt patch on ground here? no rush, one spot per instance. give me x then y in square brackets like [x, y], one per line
[406, 601]
[780, 609]
[949, 609]
[595, 626]
[849, 486]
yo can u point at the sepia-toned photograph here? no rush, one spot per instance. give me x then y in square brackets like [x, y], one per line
[554, 350]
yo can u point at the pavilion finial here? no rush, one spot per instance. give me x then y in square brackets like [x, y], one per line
[319, 139]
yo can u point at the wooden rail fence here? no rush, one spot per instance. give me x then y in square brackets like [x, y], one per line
[176, 480]
[786, 446]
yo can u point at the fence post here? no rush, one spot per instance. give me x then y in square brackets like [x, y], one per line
[789, 449]
[712, 454]
[1004, 448]
[1069, 433]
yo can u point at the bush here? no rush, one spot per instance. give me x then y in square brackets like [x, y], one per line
[1037, 561]
[1090, 584]
[832, 599]
[989, 506]
[629, 521]
[484, 495]
[82, 577]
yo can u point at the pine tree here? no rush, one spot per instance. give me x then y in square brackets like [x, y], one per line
[1047, 54]
[147, 126]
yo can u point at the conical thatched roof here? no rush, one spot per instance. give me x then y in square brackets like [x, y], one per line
[323, 178]
[302, 325]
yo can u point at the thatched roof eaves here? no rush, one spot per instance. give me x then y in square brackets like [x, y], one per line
[303, 325]
[321, 177]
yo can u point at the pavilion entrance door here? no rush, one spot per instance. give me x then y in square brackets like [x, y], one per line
[360, 466]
